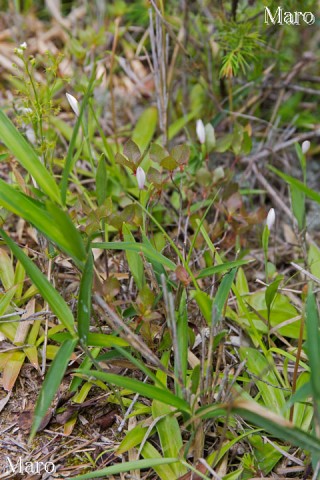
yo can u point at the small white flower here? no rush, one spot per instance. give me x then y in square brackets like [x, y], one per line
[141, 177]
[20, 50]
[74, 104]
[31, 135]
[201, 132]
[305, 146]
[271, 218]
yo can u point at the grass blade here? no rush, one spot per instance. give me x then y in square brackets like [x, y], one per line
[27, 157]
[51, 383]
[126, 467]
[149, 252]
[207, 272]
[84, 301]
[149, 391]
[297, 184]
[264, 418]
[146, 126]
[223, 291]
[134, 259]
[54, 299]
[313, 343]
[51, 220]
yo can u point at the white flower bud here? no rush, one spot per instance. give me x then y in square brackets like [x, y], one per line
[74, 104]
[305, 146]
[141, 177]
[201, 133]
[271, 218]
[20, 50]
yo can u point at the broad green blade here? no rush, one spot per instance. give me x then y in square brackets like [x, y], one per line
[207, 272]
[164, 472]
[84, 301]
[264, 418]
[27, 157]
[313, 343]
[297, 184]
[223, 292]
[52, 382]
[146, 126]
[149, 391]
[134, 259]
[50, 219]
[269, 386]
[49, 293]
[150, 252]
[126, 467]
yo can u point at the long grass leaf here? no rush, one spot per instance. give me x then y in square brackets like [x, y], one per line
[207, 272]
[313, 343]
[149, 252]
[149, 391]
[51, 383]
[84, 300]
[297, 184]
[49, 293]
[126, 467]
[264, 418]
[27, 157]
[135, 261]
[145, 127]
[49, 219]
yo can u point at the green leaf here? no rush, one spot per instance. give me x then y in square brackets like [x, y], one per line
[54, 299]
[314, 260]
[258, 365]
[169, 163]
[147, 250]
[72, 237]
[210, 138]
[94, 339]
[298, 206]
[101, 181]
[181, 154]
[6, 270]
[164, 472]
[157, 153]
[223, 291]
[296, 183]
[84, 301]
[168, 427]
[149, 391]
[146, 126]
[313, 343]
[266, 419]
[27, 157]
[133, 438]
[52, 382]
[272, 291]
[204, 303]
[183, 337]
[126, 467]
[50, 219]
[134, 259]
[132, 151]
[221, 268]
